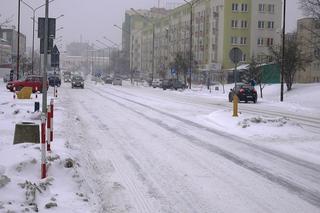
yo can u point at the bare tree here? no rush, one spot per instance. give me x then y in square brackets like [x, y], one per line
[255, 73]
[294, 60]
[311, 8]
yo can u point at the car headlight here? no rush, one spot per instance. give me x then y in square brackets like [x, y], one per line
[73, 82]
[82, 82]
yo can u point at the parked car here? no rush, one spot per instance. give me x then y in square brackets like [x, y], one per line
[67, 76]
[173, 84]
[33, 81]
[245, 92]
[156, 83]
[54, 80]
[77, 81]
[117, 81]
[107, 79]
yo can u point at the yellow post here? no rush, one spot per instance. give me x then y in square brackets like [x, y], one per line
[235, 105]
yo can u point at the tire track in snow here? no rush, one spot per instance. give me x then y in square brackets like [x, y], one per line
[143, 177]
[312, 197]
[284, 156]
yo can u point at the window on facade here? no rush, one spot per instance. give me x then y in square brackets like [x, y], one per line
[261, 24]
[234, 40]
[244, 7]
[260, 42]
[234, 23]
[270, 24]
[261, 7]
[244, 24]
[269, 42]
[244, 57]
[235, 7]
[243, 40]
[271, 8]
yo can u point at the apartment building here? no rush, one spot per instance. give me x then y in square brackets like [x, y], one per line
[218, 26]
[308, 30]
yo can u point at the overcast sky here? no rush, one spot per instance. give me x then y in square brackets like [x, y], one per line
[93, 19]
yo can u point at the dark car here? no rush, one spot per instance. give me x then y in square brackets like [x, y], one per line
[107, 79]
[77, 81]
[33, 81]
[54, 80]
[173, 84]
[245, 92]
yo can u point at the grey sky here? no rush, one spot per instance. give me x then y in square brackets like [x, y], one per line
[93, 19]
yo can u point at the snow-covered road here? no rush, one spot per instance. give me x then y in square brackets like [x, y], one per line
[148, 150]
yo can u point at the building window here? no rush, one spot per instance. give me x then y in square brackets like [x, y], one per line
[269, 42]
[261, 7]
[244, 57]
[260, 42]
[235, 7]
[270, 24]
[243, 40]
[261, 24]
[234, 23]
[244, 7]
[244, 24]
[234, 40]
[271, 8]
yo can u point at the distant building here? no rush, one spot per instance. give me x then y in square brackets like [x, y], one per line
[10, 38]
[308, 30]
[5, 53]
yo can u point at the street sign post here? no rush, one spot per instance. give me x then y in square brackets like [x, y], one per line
[235, 55]
[55, 57]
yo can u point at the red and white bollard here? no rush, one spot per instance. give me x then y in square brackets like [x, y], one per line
[49, 129]
[51, 119]
[14, 93]
[43, 147]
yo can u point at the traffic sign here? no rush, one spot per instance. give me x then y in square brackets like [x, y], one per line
[235, 55]
[55, 57]
[50, 45]
[51, 27]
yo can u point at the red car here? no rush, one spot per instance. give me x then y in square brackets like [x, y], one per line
[33, 81]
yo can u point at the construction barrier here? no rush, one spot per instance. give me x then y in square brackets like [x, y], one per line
[24, 93]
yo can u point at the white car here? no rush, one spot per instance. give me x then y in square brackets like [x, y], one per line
[156, 83]
[117, 81]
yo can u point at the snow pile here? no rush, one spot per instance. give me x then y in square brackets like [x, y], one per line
[257, 127]
[272, 122]
[21, 188]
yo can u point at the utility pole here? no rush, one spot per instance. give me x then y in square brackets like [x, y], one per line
[191, 4]
[283, 49]
[45, 59]
[18, 44]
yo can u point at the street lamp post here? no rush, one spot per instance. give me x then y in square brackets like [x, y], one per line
[33, 27]
[191, 4]
[153, 35]
[283, 49]
[18, 44]
[131, 52]
[103, 52]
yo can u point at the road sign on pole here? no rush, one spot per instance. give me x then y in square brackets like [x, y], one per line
[235, 56]
[51, 27]
[55, 57]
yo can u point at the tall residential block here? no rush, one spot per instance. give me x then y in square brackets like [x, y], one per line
[308, 30]
[218, 26]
